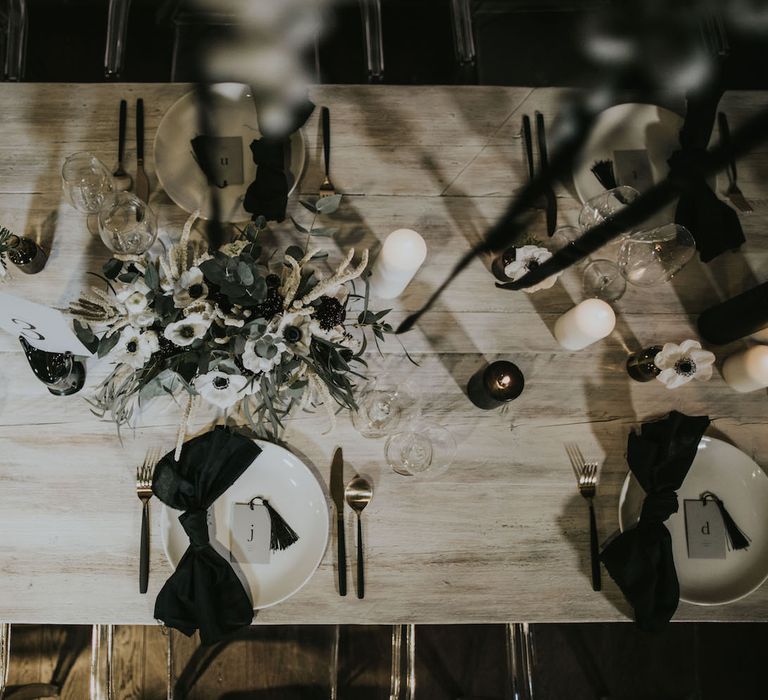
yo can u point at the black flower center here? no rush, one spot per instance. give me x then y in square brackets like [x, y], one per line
[685, 366]
[187, 331]
[196, 290]
[132, 346]
[292, 334]
[531, 264]
[220, 382]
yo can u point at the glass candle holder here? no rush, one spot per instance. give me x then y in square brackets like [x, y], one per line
[641, 366]
[86, 181]
[495, 385]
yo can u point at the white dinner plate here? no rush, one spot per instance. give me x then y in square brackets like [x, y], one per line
[295, 492]
[624, 127]
[743, 487]
[233, 114]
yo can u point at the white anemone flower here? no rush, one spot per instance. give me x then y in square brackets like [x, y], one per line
[135, 347]
[293, 328]
[262, 354]
[190, 288]
[681, 363]
[187, 330]
[220, 389]
[527, 258]
[135, 302]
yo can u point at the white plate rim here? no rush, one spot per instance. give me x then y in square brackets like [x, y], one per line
[623, 496]
[166, 511]
[297, 135]
[582, 159]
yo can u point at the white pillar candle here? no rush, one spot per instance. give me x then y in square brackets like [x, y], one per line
[747, 370]
[584, 324]
[401, 256]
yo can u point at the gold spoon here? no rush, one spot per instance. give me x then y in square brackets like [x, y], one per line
[358, 495]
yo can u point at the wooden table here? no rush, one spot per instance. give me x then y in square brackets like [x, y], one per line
[502, 535]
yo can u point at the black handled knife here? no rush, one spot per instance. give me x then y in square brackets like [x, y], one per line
[337, 494]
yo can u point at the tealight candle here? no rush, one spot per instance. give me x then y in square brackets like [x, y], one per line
[401, 256]
[584, 324]
[747, 370]
[494, 385]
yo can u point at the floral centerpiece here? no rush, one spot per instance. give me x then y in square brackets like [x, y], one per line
[239, 331]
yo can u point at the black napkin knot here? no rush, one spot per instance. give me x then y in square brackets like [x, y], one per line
[195, 524]
[640, 559]
[657, 507]
[204, 592]
[686, 167]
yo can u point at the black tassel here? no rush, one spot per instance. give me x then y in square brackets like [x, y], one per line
[737, 539]
[603, 171]
[282, 535]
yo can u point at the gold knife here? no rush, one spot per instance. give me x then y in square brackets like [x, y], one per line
[142, 182]
[337, 494]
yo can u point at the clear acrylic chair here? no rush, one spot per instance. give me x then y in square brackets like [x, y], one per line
[520, 655]
[100, 685]
[178, 686]
[16, 27]
[117, 31]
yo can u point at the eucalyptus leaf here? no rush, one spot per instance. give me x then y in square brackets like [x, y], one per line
[299, 227]
[328, 205]
[151, 277]
[245, 274]
[295, 252]
[86, 336]
[107, 343]
[308, 205]
[111, 268]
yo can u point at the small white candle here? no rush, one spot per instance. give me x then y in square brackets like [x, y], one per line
[584, 324]
[401, 256]
[747, 370]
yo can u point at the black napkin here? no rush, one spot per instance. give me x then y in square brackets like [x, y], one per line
[204, 592]
[713, 224]
[267, 195]
[640, 559]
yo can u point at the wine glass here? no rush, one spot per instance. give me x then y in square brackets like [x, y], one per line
[86, 181]
[424, 447]
[603, 280]
[381, 408]
[655, 255]
[127, 225]
[605, 205]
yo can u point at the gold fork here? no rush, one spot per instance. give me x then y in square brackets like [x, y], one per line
[144, 492]
[326, 189]
[586, 477]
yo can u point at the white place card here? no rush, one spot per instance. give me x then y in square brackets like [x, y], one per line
[704, 530]
[43, 327]
[249, 534]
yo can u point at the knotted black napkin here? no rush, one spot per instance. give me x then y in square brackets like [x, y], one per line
[204, 592]
[713, 224]
[267, 195]
[640, 559]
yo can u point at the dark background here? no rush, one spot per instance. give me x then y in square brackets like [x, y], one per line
[518, 42]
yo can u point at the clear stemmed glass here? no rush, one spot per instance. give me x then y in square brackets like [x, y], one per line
[655, 255]
[87, 182]
[605, 205]
[603, 280]
[127, 226]
[381, 408]
[424, 447]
